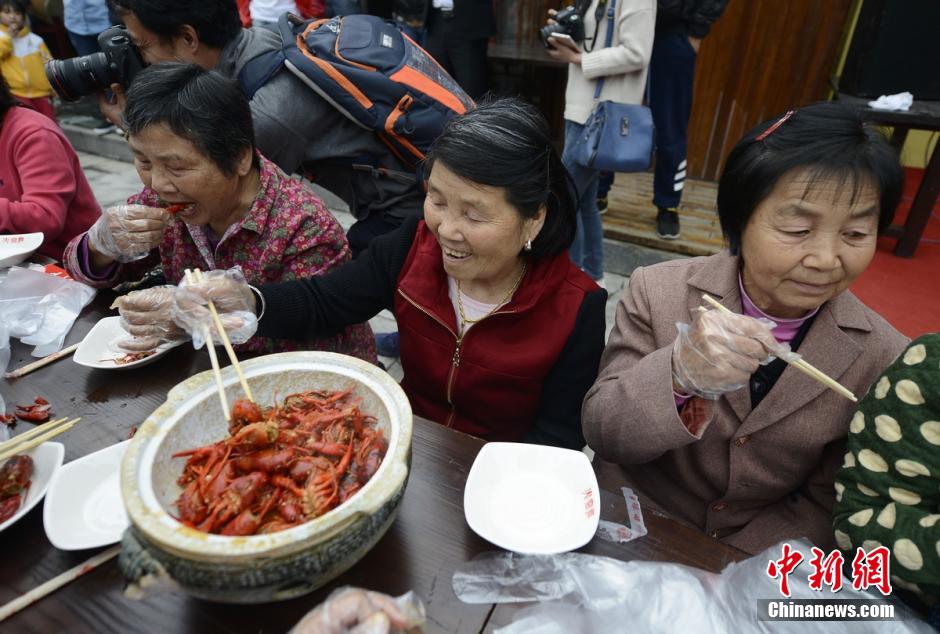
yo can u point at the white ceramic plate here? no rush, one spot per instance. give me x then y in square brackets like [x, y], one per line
[532, 499]
[99, 347]
[15, 248]
[47, 458]
[84, 508]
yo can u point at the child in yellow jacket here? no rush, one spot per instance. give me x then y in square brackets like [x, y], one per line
[22, 56]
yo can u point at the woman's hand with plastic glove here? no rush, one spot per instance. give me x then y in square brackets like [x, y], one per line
[126, 233]
[147, 316]
[362, 611]
[720, 351]
[233, 299]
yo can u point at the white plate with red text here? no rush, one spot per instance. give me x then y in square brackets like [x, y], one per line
[84, 507]
[532, 499]
[47, 458]
[15, 248]
[99, 348]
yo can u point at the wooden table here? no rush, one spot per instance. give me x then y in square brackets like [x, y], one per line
[420, 552]
[923, 115]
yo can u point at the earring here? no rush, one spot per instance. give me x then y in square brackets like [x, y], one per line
[528, 245]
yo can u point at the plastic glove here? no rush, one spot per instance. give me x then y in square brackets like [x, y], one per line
[362, 611]
[234, 302]
[719, 352]
[128, 232]
[147, 316]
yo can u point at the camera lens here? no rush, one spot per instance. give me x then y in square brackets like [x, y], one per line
[73, 78]
[548, 30]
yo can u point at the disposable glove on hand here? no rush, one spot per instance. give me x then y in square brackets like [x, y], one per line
[719, 352]
[128, 232]
[147, 316]
[233, 300]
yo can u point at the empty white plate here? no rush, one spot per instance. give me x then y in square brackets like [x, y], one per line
[17, 247]
[84, 507]
[99, 347]
[532, 499]
[47, 458]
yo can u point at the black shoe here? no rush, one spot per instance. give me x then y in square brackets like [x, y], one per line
[667, 224]
[602, 206]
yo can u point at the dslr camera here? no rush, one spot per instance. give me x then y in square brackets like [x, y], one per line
[118, 63]
[567, 21]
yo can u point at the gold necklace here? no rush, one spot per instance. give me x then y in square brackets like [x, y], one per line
[463, 316]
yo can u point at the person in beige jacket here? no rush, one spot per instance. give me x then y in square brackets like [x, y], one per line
[622, 66]
[690, 403]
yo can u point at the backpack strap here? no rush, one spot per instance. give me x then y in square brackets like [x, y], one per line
[257, 71]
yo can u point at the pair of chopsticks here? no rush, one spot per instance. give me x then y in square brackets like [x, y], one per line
[35, 365]
[801, 365]
[35, 437]
[195, 276]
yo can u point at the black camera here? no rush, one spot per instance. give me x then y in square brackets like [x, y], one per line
[118, 63]
[568, 22]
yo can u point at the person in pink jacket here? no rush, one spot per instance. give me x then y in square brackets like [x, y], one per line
[42, 186]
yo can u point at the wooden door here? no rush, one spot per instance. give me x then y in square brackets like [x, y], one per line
[760, 59]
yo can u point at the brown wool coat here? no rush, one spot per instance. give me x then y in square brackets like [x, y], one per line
[753, 478]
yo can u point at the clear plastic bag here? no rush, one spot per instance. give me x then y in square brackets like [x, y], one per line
[585, 593]
[39, 308]
[4, 352]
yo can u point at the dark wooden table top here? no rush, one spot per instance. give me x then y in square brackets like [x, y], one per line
[420, 552]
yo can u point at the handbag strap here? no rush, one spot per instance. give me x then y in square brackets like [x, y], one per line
[599, 86]
[607, 42]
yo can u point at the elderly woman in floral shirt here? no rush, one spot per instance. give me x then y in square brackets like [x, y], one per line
[211, 201]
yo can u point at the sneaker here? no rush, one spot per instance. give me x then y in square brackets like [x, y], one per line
[667, 224]
[602, 206]
[104, 127]
[386, 344]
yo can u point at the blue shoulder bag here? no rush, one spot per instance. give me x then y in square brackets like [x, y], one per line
[617, 137]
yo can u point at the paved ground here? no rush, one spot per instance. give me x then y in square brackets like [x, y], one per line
[113, 181]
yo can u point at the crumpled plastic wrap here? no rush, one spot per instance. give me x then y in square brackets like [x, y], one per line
[585, 593]
[361, 611]
[4, 352]
[39, 308]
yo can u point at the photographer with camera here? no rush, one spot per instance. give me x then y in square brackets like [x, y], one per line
[295, 127]
[576, 35]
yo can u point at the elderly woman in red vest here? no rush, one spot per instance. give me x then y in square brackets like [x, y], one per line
[501, 334]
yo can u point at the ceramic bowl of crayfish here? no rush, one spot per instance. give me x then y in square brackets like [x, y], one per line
[262, 567]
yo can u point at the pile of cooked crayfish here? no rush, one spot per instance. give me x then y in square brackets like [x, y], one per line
[282, 466]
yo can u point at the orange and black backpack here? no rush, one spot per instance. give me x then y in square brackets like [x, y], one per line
[371, 72]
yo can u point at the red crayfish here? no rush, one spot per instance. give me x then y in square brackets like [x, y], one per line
[280, 466]
[35, 413]
[14, 482]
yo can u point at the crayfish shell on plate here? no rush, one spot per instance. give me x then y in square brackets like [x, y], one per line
[267, 567]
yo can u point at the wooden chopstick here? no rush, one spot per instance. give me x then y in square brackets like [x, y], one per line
[800, 364]
[35, 365]
[57, 582]
[213, 358]
[226, 342]
[38, 440]
[32, 433]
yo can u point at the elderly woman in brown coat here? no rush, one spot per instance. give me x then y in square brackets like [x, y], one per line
[691, 404]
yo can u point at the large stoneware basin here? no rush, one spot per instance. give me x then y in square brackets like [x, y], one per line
[267, 567]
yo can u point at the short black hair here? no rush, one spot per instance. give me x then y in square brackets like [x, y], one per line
[216, 22]
[19, 5]
[7, 100]
[199, 105]
[506, 143]
[828, 140]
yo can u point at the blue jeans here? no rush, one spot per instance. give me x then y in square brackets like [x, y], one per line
[84, 44]
[587, 250]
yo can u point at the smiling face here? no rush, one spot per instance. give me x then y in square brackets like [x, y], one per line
[481, 235]
[807, 242]
[180, 174]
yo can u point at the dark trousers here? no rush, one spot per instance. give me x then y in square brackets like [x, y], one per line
[465, 59]
[672, 70]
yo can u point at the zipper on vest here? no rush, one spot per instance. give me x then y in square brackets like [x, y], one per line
[455, 358]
